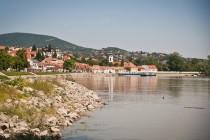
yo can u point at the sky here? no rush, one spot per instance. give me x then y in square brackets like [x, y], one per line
[136, 25]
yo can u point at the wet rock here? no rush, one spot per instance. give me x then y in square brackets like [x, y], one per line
[35, 131]
[44, 133]
[90, 107]
[6, 136]
[51, 121]
[54, 129]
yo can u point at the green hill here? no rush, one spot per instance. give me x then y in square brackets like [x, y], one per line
[114, 49]
[28, 39]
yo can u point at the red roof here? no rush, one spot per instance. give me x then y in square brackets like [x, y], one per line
[2, 47]
[129, 65]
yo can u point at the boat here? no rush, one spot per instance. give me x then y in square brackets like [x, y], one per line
[149, 73]
[129, 73]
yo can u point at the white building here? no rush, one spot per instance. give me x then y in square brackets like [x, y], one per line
[111, 59]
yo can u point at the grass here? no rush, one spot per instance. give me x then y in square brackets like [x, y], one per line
[31, 115]
[15, 73]
[55, 82]
[7, 92]
[49, 73]
[17, 82]
[2, 78]
[44, 86]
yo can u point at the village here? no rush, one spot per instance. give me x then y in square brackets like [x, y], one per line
[53, 61]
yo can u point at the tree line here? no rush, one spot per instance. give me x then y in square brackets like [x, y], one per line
[18, 62]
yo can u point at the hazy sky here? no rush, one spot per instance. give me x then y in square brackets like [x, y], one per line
[148, 25]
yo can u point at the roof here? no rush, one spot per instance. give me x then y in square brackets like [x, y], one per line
[2, 47]
[129, 65]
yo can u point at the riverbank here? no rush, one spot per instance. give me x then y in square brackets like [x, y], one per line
[38, 108]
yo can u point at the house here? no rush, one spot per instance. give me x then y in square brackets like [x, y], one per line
[82, 67]
[66, 57]
[147, 68]
[102, 69]
[111, 59]
[30, 54]
[2, 47]
[52, 64]
[13, 50]
[35, 65]
[130, 67]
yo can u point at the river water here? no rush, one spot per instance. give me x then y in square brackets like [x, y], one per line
[146, 108]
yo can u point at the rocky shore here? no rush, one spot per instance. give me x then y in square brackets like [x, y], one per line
[33, 112]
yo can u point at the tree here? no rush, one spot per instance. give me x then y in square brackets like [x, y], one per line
[104, 62]
[34, 48]
[175, 62]
[83, 60]
[54, 54]
[5, 60]
[69, 65]
[49, 48]
[39, 55]
[122, 63]
[21, 60]
[207, 67]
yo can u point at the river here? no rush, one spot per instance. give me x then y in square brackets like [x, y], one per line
[145, 108]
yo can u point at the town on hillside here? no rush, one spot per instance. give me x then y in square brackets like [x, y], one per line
[50, 59]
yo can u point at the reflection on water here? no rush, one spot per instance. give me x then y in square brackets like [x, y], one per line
[137, 110]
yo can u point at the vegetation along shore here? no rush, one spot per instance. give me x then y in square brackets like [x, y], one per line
[40, 108]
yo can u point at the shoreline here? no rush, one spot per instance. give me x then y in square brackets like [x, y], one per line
[158, 74]
[68, 102]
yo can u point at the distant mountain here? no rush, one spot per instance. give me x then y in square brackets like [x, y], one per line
[114, 50]
[28, 39]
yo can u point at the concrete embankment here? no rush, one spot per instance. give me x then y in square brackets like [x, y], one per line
[177, 74]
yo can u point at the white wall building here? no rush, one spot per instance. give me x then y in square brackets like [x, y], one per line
[111, 59]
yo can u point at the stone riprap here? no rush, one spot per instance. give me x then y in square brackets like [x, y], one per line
[48, 113]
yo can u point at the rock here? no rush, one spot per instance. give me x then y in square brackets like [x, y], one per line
[9, 100]
[28, 89]
[14, 119]
[23, 101]
[90, 107]
[3, 117]
[44, 133]
[51, 121]
[54, 129]
[70, 103]
[62, 111]
[16, 102]
[1, 132]
[35, 131]
[40, 93]
[4, 126]
[73, 115]
[11, 124]
[22, 124]
[6, 136]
